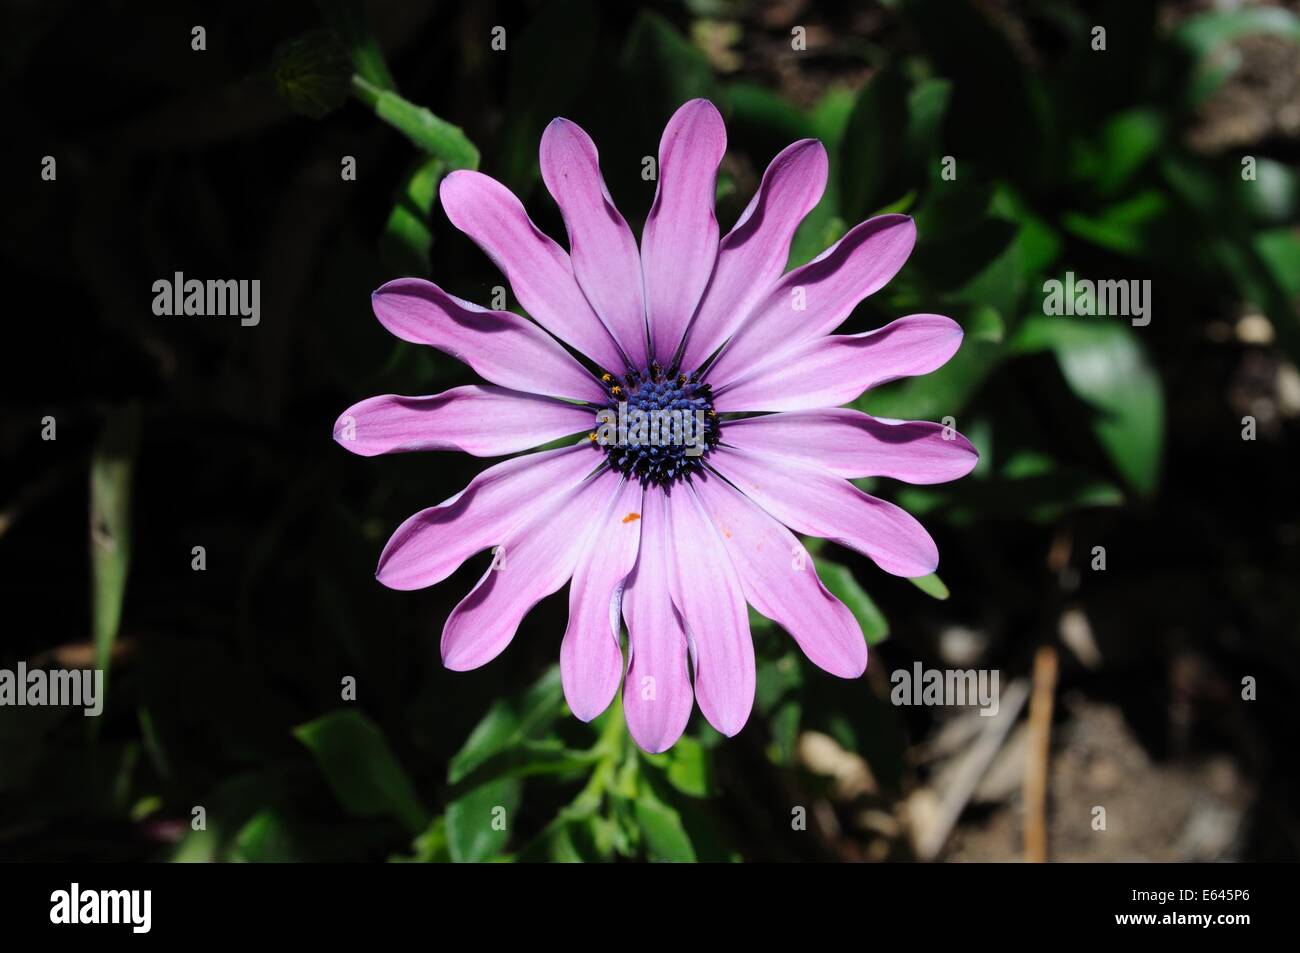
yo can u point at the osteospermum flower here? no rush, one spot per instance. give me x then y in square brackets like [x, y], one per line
[675, 537]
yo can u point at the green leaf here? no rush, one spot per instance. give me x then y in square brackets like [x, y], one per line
[664, 834]
[927, 105]
[1128, 227]
[543, 84]
[112, 468]
[1234, 248]
[1105, 366]
[430, 846]
[1042, 497]
[869, 152]
[840, 581]
[266, 838]
[407, 237]
[509, 724]
[361, 768]
[1279, 249]
[435, 136]
[666, 67]
[478, 824]
[758, 107]
[686, 766]
[485, 773]
[931, 585]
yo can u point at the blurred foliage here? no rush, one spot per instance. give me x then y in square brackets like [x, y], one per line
[1019, 166]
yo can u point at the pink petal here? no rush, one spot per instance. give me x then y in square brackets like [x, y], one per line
[482, 420]
[606, 262]
[680, 240]
[709, 596]
[815, 299]
[836, 369]
[503, 348]
[432, 544]
[536, 558]
[657, 693]
[591, 662]
[851, 444]
[817, 504]
[780, 580]
[537, 268]
[753, 255]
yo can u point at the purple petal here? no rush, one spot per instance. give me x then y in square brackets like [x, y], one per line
[484, 421]
[814, 300]
[536, 558]
[817, 504]
[537, 268]
[709, 596]
[753, 255]
[780, 580]
[605, 257]
[657, 693]
[432, 544]
[503, 348]
[851, 444]
[836, 369]
[591, 662]
[680, 240]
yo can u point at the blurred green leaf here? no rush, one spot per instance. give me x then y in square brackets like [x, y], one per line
[870, 150]
[430, 846]
[478, 824]
[662, 826]
[842, 584]
[1043, 496]
[1279, 249]
[759, 108]
[510, 723]
[542, 83]
[927, 106]
[112, 470]
[686, 766]
[1105, 366]
[996, 117]
[435, 136]
[407, 237]
[668, 69]
[1127, 227]
[931, 585]
[361, 768]
[1232, 245]
[490, 763]
[1126, 141]
[266, 838]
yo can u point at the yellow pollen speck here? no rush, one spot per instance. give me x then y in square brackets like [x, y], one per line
[631, 517]
[592, 436]
[606, 377]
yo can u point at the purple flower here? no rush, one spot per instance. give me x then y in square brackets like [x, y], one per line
[675, 530]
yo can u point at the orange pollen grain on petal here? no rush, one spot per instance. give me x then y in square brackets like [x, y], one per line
[631, 516]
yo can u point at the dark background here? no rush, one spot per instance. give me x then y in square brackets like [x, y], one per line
[1123, 163]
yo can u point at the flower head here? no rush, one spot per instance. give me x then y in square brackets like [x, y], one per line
[706, 397]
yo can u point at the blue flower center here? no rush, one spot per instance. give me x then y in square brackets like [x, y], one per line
[656, 427]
